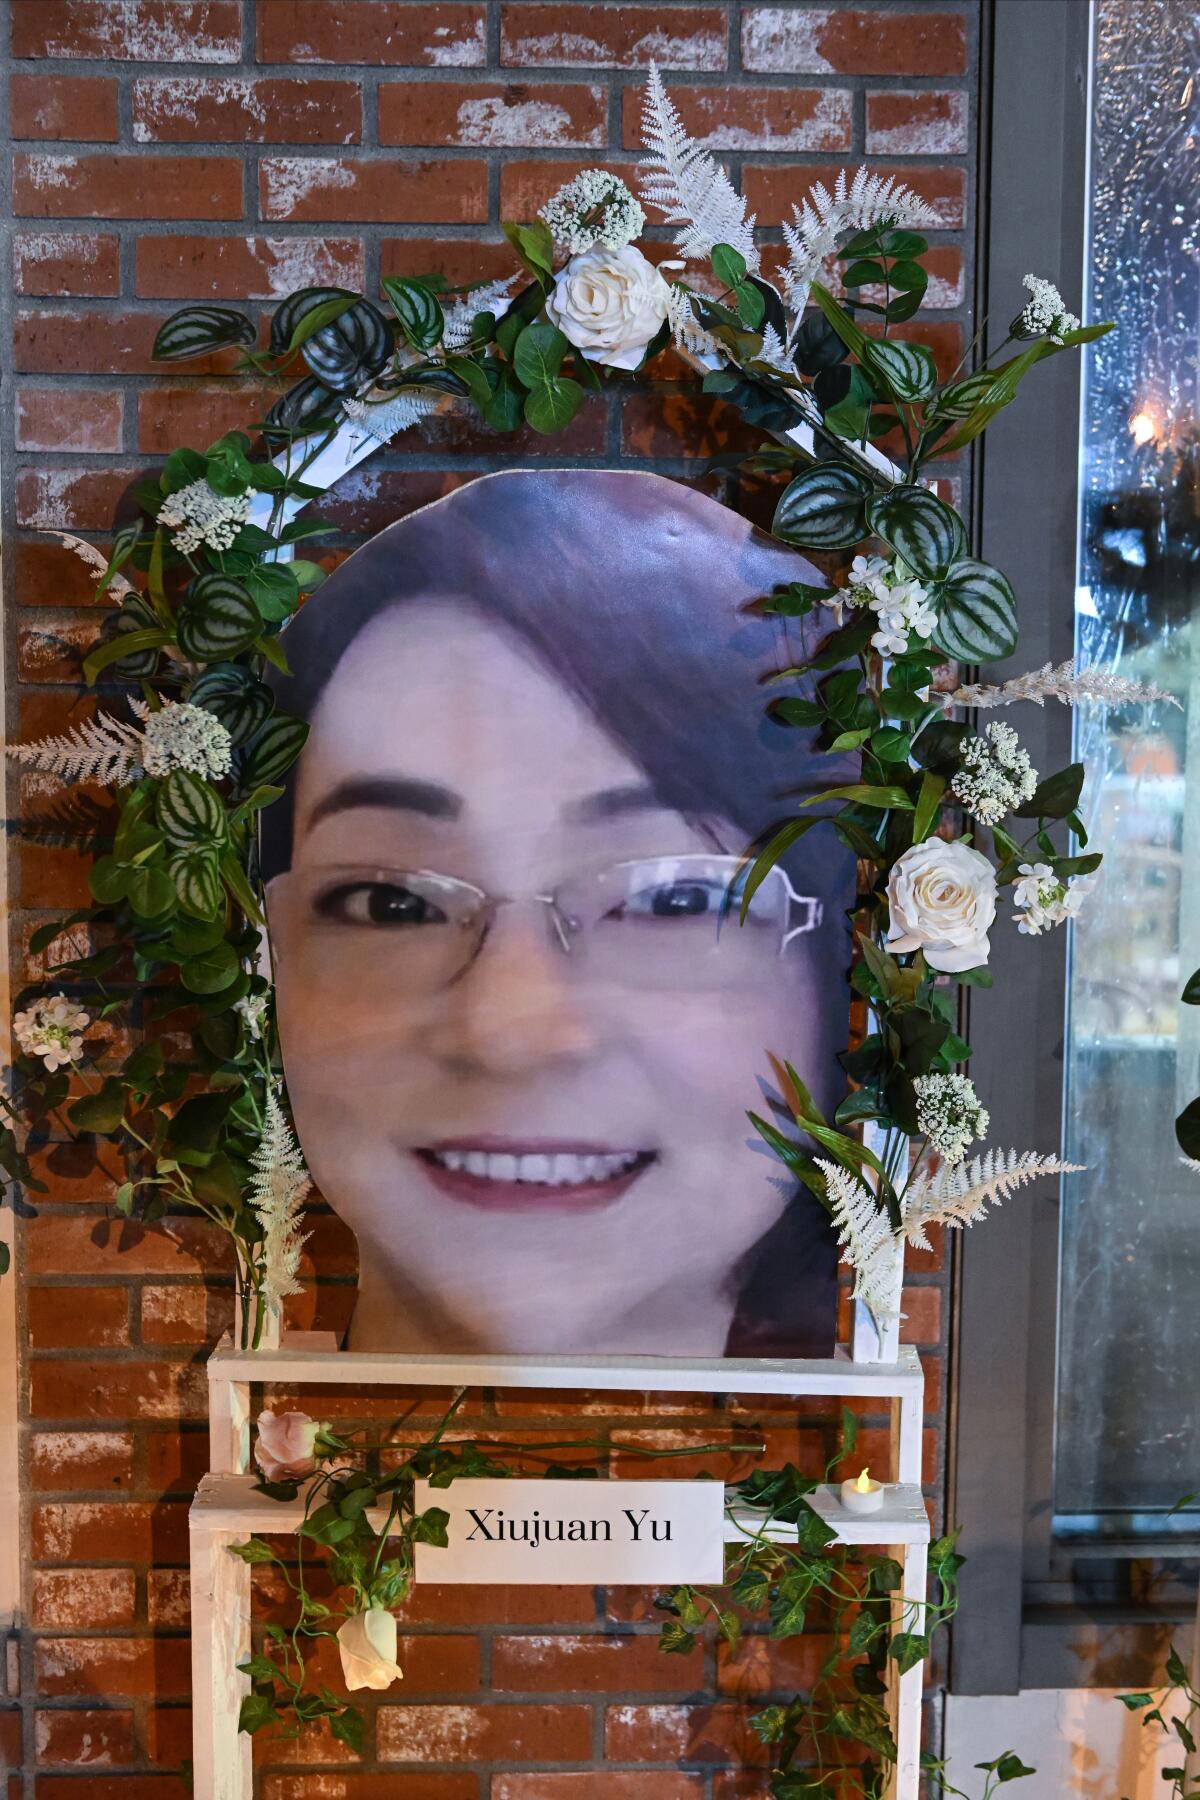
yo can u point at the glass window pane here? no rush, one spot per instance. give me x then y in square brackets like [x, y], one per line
[1129, 1344]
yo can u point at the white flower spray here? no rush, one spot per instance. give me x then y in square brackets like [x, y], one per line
[1045, 314]
[949, 1114]
[52, 1030]
[996, 775]
[1041, 901]
[595, 208]
[197, 514]
[279, 1186]
[892, 592]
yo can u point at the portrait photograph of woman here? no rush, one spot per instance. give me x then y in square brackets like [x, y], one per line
[521, 1023]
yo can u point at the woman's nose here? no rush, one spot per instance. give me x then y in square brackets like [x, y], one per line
[516, 1006]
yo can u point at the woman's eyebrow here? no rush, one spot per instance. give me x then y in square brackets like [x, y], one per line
[401, 792]
[611, 803]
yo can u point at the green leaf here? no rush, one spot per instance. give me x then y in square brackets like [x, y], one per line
[534, 245]
[348, 1727]
[108, 880]
[822, 508]
[1187, 1129]
[538, 354]
[199, 330]
[256, 1711]
[317, 317]
[1001, 391]
[417, 309]
[907, 1649]
[273, 749]
[769, 855]
[1135, 1702]
[977, 613]
[234, 877]
[790, 711]
[1009, 1767]
[926, 533]
[837, 316]
[197, 885]
[729, 265]
[795, 600]
[864, 273]
[100, 1112]
[850, 740]
[863, 794]
[121, 645]
[189, 810]
[218, 619]
[960, 398]
[552, 405]
[1191, 992]
[906, 370]
[150, 891]
[1056, 796]
[199, 1122]
[928, 801]
[212, 970]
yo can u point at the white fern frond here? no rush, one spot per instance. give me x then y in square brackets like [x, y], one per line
[822, 220]
[382, 419]
[493, 298]
[96, 560]
[865, 1235]
[102, 749]
[774, 352]
[279, 1185]
[689, 186]
[1062, 682]
[1192, 1163]
[962, 1194]
[687, 333]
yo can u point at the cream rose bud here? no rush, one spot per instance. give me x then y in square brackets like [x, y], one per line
[367, 1646]
[609, 304]
[286, 1445]
[943, 901]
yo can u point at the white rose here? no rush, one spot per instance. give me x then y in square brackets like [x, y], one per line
[943, 901]
[367, 1646]
[609, 303]
[286, 1445]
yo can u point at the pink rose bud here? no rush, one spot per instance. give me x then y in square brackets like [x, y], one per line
[286, 1445]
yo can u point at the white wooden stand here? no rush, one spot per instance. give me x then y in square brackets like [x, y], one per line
[227, 1510]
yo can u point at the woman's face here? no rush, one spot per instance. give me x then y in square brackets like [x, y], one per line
[533, 1116]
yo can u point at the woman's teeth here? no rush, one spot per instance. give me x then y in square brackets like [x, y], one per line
[559, 1170]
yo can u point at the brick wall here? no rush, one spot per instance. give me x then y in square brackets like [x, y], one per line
[175, 150]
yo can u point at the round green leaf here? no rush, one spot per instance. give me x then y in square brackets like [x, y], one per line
[822, 508]
[211, 971]
[218, 620]
[151, 891]
[552, 405]
[538, 354]
[977, 613]
[906, 369]
[189, 810]
[235, 696]
[109, 880]
[926, 533]
[197, 882]
[274, 749]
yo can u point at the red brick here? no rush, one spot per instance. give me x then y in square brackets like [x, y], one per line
[112, 1787]
[922, 1308]
[349, 1786]
[169, 414]
[68, 419]
[693, 1734]
[772, 189]
[533, 116]
[920, 123]
[80, 1735]
[383, 190]
[77, 1172]
[167, 1735]
[71, 1317]
[194, 109]
[53, 649]
[65, 262]
[130, 30]
[77, 107]
[109, 1390]
[592, 1665]
[785, 40]
[175, 1460]
[435, 1603]
[185, 1313]
[71, 499]
[83, 1599]
[680, 422]
[461, 260]
[97, 1531]
[122, 1667]
[81, 1460]
[526, 186]
[747, 118]
[98, 186]
[390, 33]
[450, 1734]
[85, 342]
[606, 1784]
[107, 1247]
[763, 1665]
[612, 37]
[244, 268]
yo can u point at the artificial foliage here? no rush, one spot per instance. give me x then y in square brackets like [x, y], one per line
[191, 742]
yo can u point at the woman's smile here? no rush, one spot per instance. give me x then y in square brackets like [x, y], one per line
[532, 1174]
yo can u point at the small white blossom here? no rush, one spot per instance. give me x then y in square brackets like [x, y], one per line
[180, 736]
[902, 604]
[949, 1113]
[253, 1009]
[51, 1030]
[996, 775]
[1046, 313]
[1041, 901]
[197, 515]
[595, 208]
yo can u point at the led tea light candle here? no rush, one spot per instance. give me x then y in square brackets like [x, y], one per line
[862, 1495]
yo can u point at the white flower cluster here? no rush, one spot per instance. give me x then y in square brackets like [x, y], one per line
[1046, 313]
[1042, 901]
[180, 736]
[197, 515]
[51, 1030]
[896, 596]
[253, 1009]
[996, 775]
[949, 1114]
[595, 208]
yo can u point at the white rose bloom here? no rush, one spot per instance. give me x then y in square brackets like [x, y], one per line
[943, 901]
[286, 1445]
[367, 1646]
[609, 304]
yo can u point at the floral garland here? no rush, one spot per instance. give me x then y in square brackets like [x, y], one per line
[178, 897]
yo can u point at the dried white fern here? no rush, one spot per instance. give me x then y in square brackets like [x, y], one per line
[1192, 1163]
[278, 1188]
[96, 560]
[962, 1194]
[686, 330]
[688, 185]
[1064, 682]
[382, 419]
[821, 221]
[493, 298]
[866, 1238]
[102, 749]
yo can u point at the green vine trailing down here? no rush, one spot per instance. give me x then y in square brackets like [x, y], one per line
[946, 822]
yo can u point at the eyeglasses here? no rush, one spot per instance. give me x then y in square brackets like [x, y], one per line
[653, 922]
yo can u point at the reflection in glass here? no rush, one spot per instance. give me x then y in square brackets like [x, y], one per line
[1129, 1346]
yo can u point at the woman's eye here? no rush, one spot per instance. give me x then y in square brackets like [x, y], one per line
[379, 903]
[674, 900]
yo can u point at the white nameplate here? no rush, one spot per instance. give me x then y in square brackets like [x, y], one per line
[639, 1533]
